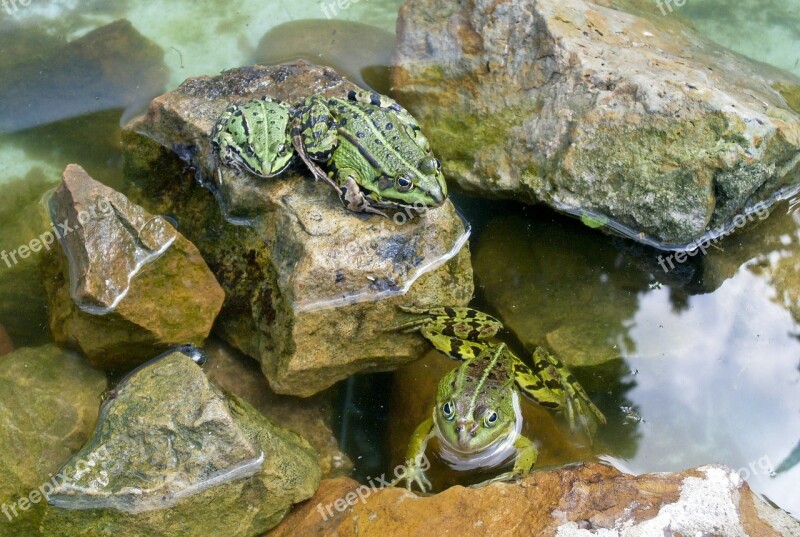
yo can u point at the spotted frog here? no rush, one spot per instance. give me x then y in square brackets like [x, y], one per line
[367, 147]
[477, 417]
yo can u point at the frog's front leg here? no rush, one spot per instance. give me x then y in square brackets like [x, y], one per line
[352, 196]
[526, 458]
[454, 331]
[414, 455]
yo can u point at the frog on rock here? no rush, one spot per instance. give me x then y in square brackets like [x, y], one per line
[367, 147]
[477, 418]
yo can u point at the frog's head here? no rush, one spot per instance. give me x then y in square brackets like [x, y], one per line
[470, 417]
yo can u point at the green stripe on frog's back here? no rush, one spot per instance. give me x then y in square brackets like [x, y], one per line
[374, 145]
[492, 370]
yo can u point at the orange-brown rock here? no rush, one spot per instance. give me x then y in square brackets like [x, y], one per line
[574, 501]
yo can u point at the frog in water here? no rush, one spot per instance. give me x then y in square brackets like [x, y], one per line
[373, 151]
[477, 417]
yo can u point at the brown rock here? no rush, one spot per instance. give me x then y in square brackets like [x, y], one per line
[309, 285]
[6, 345]
[574, 501]
[119, 321]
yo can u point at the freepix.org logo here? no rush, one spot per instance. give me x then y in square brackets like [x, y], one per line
[12, 6]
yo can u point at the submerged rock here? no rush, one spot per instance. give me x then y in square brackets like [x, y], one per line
[360, 52]
[585, 322]
[310, 417]
[126, 284]
[111, 67]
[49, 402]
[582, 500]
[172, 455]
[309, 285]
[6, 345]
[633, 120]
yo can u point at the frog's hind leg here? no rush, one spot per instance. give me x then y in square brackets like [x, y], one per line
[550, 384]
[316, 127]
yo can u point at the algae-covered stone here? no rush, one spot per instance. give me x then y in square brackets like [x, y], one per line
[172, 456]
[598, 111]
[129, 285]
[311, 417]
[309, 285]
[49, 402]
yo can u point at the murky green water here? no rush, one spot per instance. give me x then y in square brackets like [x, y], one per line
[695, 365]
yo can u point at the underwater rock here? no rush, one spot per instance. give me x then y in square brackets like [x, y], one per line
[585, 322]
[309, 285]
[360, 52]
[310, 417]
[576, 501]
[6, 345]
[129, 285]
[111, 67]
[172, 456]
[49, 402]
[635, 121]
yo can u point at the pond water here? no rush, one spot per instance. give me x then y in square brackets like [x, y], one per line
[693, 365]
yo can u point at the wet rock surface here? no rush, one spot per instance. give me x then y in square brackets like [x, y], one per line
[111, 67]
[576, 501]
[49, 402]
[170, 438]
[126, 284]
[309, 285]
[593, 110]
[310, 417]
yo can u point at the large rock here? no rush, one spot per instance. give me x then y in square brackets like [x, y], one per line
[172, 456]
[631, 119]
[129, 285]
[579, 501]
[309, 285]
[310, 417]
[49, 402]
[109, 68]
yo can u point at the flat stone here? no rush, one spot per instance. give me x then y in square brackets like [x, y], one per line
[172, 455]
[577, 501]
[49, 403]
[126, 284]
[309, 285]
[606, 110]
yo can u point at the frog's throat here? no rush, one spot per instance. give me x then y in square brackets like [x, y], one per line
[491, 456]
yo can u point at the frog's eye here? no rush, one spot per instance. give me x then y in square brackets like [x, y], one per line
[449, 411]
[490, 420]
[404, 184]
[282, 150]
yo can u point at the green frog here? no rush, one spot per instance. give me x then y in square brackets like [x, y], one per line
[255, 137]
[372, 150]
[477, 418]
